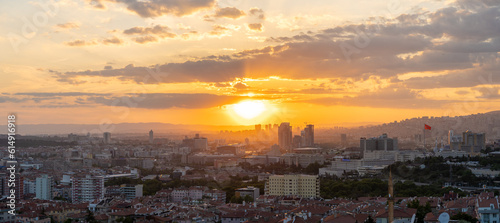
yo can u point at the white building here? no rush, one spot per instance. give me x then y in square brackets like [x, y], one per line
[293, 185]
[44, 187]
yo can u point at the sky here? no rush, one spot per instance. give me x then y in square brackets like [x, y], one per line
[243, 62]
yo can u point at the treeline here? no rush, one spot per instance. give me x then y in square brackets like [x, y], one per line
[374, 187]
[436, 170]
[281, 168]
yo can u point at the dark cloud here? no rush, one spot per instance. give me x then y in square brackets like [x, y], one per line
[191, 71]
[58, 94]
[387, 48]
[168, 100]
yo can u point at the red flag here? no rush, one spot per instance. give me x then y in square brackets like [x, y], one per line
[427, 127]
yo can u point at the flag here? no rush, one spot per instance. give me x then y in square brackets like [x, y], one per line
[427, 127]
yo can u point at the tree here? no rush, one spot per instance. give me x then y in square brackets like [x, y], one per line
[464, 216]
[369, 219]
[90, 217]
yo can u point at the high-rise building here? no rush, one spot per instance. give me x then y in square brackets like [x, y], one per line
[297, 141]
[197, 144]
[151, 139]
[343, 139]
[87, 189]
[44, 187]
[473, 142]
[285, 136]
[308, 136]
[293, 185]
[107, 137]
[258, 127]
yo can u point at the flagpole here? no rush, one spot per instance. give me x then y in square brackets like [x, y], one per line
[424, 136]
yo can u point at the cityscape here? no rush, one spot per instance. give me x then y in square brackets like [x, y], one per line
[239, 111]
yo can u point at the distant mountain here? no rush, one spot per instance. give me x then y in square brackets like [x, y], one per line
[488, 123]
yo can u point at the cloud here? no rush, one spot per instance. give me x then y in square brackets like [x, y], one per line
[168, 100]
[97, 4]
[158, 30]
[80, 43]
[68, 25]
[258, 13]
[228, 12]
[156, 8]
[256, 27]
[58, 94]
[150, 34]
[390, 97]
[450, 42]
[113, 40]
[145, 39]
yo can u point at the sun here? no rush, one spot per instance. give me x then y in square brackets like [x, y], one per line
[249, 109]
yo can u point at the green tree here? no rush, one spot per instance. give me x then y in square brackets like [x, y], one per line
[90, 217]
[369, 219]
[464, 216]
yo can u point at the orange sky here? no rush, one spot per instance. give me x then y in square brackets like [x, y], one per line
[191, 62]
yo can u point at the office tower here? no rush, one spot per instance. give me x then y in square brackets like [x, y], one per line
[297, 141]
[473, 142]
[44, 187]
[151, 139]
[107, 137]
[343, 139]
[285, 136]
[381, 143]
[258, 127]
[308, 136]
[197, 144]
[87, 188]
[293, 185]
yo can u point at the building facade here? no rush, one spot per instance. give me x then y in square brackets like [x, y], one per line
[293, 185]
[87, 188]
[44, 187]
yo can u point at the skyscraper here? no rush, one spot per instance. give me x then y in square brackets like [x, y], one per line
[343, 139]
[308, 136]
[285, 136]
[44, 187]
[258, 127]
[151, 139]
[107, 137]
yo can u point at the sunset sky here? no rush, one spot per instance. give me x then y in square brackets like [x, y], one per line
[327, 62]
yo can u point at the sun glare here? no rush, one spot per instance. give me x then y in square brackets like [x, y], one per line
[249, 109]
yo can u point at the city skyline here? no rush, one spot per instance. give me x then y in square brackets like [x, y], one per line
[229, 62]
